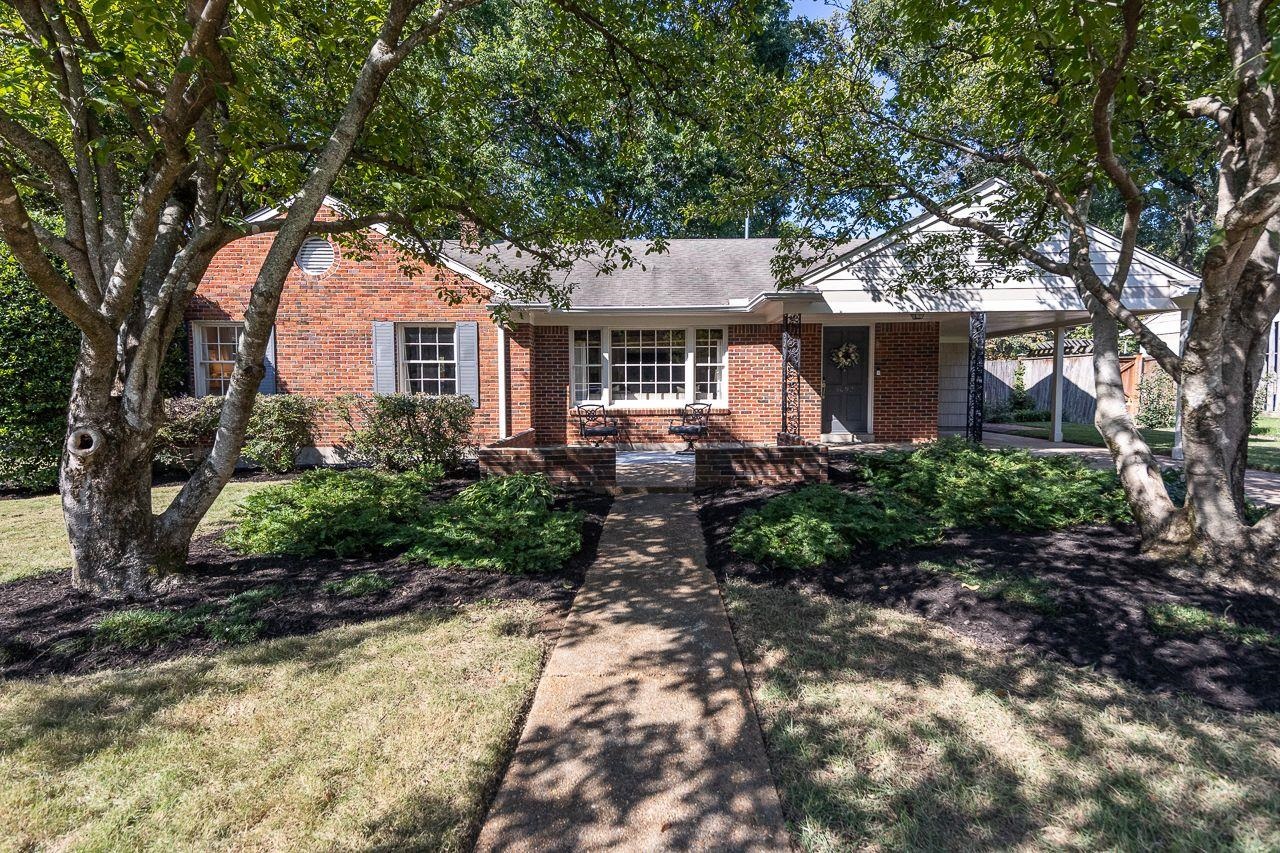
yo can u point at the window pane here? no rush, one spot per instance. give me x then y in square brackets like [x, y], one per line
[429, 360]
[588, 366]
[648, 364]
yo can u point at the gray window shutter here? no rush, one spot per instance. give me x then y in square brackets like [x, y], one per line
[384, 358]
[468, 361]
[268, 385]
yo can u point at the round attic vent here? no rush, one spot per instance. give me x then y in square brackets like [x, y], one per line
[315, 256]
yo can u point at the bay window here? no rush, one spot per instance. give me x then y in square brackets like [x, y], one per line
[648, 367]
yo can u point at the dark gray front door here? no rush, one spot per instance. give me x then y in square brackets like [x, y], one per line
[844, 398]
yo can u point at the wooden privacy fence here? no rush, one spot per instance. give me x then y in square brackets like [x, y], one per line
[1078, 399]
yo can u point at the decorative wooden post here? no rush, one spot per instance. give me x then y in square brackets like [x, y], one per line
[977, 374]
[791, 374]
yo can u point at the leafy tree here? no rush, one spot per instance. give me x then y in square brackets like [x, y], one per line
[150, 130]
[1088, 112]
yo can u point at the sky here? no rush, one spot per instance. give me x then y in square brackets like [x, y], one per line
[811, 9]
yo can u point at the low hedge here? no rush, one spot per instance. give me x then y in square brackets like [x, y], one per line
[401, 432]
[504, 524]
[911, 497]
[327, 512]
[280, 427]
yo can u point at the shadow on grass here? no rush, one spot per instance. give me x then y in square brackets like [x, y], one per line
[887, 731]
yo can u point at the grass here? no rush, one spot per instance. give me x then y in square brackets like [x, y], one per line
[358, 586]
[36, 541]
[1264, 449]
[1182, 619]
[888, 732]
[383, 735]
[1032, 593]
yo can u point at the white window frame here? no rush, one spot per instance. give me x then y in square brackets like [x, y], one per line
[402, 364]
[690, 369]
[200, 331]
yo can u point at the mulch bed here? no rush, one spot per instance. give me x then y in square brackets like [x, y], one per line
[1101, 587]
[46, 626]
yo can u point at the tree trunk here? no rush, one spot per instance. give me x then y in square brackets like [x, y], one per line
[1163, 525]
[105, 481]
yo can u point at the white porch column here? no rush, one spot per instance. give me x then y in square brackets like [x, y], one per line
[1184, 328]
[502, 382]
[1055, 391]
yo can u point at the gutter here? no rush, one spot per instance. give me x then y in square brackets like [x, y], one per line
[746, 308]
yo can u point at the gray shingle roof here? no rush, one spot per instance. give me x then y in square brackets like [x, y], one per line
[690, 273]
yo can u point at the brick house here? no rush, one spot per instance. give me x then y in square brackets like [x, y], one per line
[702, 322]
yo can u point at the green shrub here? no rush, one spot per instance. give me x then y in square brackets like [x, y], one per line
[1020, 416]
[1157, 400]
[401, 432]
[820, 523]
[358, 586]
[186, 430]
[914, 495]
[38, 348]
[280, 426]
[344, 513]
[965, 485]
[504, 524]
[141, 628]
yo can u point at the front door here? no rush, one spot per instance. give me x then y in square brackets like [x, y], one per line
[845, 356]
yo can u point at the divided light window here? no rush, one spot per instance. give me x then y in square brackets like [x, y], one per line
[428, 360]
[665, 367]
[216, 346]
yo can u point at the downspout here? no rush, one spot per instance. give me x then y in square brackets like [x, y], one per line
[502, 382]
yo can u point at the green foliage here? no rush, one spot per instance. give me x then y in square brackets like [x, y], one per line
[1019, 398]
[1003, 415]
[141, 628]
[232, 622]
[912, 496]
[966, 485]
[401, 432]
[819, 524]
[1157, 400]
[359, 585]
[1032, 593]
[1184, 619]
[344, 513]
[504, 524]
[280, 426]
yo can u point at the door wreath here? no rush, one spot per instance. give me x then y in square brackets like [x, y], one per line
[845, 356]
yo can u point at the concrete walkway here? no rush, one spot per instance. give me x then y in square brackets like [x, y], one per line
[642, 735]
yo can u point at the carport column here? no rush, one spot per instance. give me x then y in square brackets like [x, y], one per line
[977, 375]
[1055, 393]
[1185, 327]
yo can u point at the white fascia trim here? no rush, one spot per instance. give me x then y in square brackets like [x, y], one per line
[450, 263]
[753, 304]
[1183, 278]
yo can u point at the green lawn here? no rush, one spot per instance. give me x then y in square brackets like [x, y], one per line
[888, 732]
[386, 735]
[35, 540]
[1264, 450]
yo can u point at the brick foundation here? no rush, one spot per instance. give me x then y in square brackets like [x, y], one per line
[568, 465]
[906, 382]
[727, 466]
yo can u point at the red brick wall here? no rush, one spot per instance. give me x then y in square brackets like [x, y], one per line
[906, 382]
[754, 411]
[759, 466]
[579, 466]
[324, 327]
